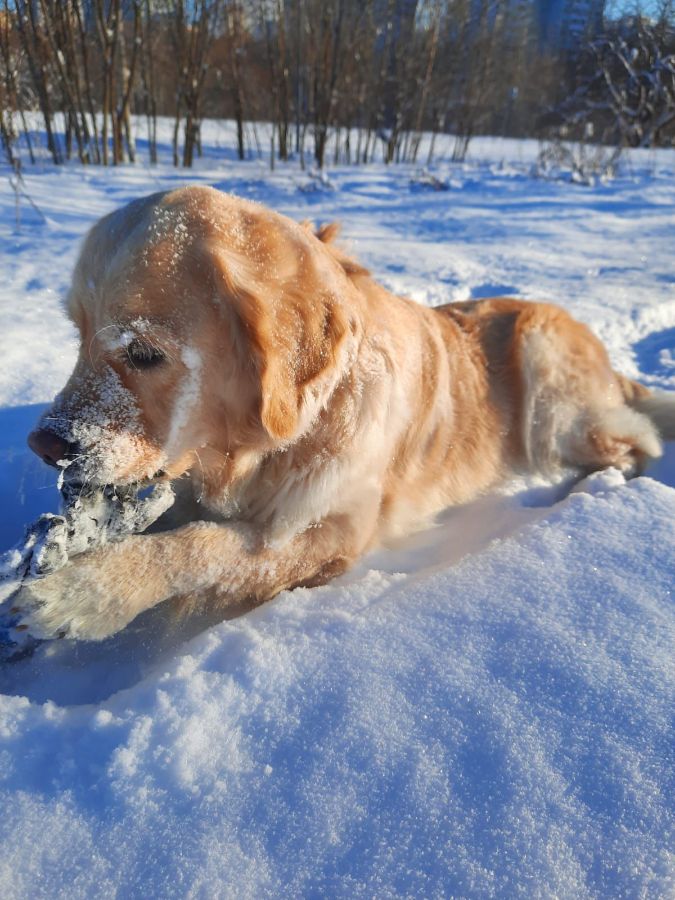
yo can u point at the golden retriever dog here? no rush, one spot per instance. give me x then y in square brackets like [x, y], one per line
[305, 414]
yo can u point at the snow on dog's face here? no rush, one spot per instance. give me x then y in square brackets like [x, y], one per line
[210, 328]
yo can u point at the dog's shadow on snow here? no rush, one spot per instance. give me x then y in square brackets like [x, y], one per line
[656, 353]
[72, 673]
[75, 673]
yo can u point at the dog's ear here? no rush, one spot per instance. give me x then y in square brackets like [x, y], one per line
[327, 234]
[296, 341]
[291, 330]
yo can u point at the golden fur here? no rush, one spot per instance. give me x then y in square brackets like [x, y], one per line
[306, 413]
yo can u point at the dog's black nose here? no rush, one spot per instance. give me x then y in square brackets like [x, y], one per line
[49, 446]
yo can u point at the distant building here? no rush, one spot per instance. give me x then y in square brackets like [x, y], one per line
[565, 24]
[556, 24]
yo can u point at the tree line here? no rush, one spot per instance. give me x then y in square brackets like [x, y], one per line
[371, 75]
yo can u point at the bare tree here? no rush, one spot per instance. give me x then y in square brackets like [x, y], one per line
[272, 20]
[626, 94]
[635, 82]
[191, 25]
[425, 86]
[148, 75]
[11, 101]
[234, 51]
[108, 20]
[36, 48]
[128, 66]
[326, 34]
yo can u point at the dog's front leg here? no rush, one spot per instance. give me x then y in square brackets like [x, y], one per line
[98, 593]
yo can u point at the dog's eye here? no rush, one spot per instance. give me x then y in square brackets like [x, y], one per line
[143, 355]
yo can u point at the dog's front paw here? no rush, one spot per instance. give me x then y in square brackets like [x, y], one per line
[84, 600]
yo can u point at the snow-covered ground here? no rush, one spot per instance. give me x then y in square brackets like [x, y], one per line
[482, 711]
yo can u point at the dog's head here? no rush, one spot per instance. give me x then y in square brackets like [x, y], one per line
[209, 326]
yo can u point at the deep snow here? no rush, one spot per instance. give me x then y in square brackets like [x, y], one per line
[484, 710]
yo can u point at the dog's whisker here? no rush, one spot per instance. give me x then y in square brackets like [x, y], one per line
[213, 449]
[100, 330]
[201, 493]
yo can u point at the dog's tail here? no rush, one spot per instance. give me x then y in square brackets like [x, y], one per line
[658, 406]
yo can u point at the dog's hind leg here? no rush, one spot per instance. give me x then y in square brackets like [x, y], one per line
[576, 411]
[613, 436]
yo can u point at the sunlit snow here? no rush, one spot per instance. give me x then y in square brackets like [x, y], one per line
[484, 710]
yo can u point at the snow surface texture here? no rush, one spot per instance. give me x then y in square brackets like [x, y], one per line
[483, 711]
